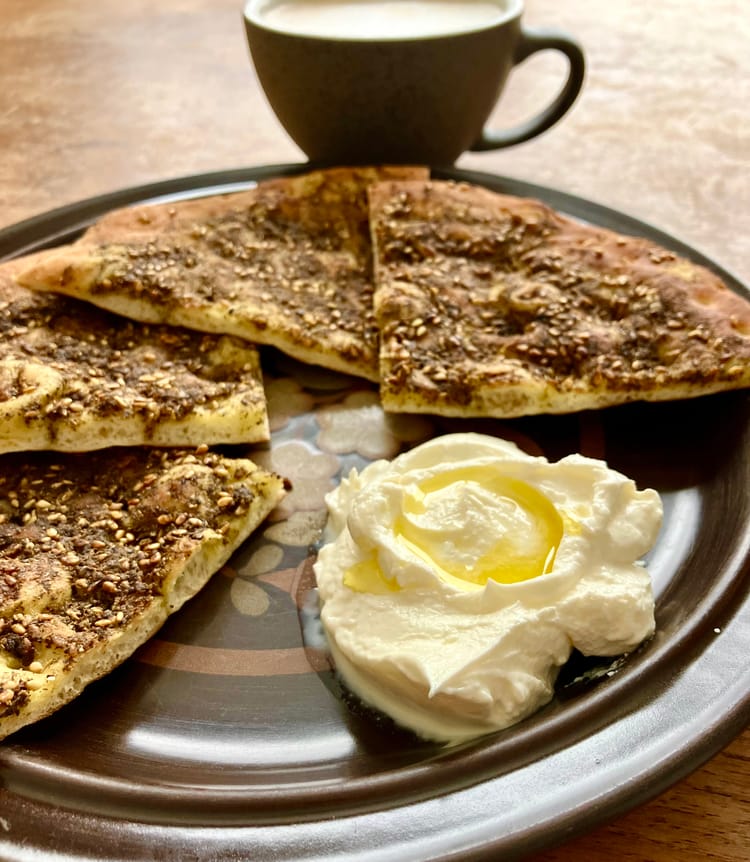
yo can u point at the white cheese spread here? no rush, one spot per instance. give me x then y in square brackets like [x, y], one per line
[457, 579]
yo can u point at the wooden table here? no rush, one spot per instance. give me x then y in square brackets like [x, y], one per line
[96, 96]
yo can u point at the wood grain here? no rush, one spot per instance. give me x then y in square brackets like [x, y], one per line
[99, 96]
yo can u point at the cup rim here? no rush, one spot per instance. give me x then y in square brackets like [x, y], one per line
[253, 15]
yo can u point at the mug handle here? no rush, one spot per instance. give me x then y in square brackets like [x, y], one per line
[530, 42]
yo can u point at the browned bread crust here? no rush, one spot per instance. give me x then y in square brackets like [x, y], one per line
[74, 377]
[97, 550]
[490, 305]
[288, 263]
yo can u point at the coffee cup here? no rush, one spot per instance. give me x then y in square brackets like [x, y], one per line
[398, 81]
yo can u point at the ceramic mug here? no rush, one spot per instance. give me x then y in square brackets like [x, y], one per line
[351, 81]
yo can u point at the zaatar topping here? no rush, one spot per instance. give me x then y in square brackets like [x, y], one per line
[495, 305]
[288, 263]
[66, 365]
[93, 545]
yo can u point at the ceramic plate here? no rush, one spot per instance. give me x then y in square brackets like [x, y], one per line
[227, 735]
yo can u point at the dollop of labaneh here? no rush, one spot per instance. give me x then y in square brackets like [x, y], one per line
[456, 579]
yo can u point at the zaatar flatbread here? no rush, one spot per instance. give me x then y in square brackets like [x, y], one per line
[490, 305]
[76, 378]
[288, 264]
[97, 550]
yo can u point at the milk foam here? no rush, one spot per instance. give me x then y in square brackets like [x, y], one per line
[380, 19]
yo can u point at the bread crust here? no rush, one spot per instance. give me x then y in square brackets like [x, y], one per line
[97, 550]
[75, 378]
[486, 304]
[287, 264]
[492, 305]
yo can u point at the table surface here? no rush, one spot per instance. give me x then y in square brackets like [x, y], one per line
[100, 96]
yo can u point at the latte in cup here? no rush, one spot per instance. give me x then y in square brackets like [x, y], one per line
[397, 81]
[380, 19]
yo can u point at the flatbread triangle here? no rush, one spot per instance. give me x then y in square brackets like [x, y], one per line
[492, 305]
[97, 550]
[77, 378]
[286, 264]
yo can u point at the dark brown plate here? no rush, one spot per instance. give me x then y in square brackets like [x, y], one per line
[227, 736]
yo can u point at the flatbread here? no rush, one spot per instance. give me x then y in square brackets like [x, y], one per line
[97, 550]
[76, 378]
[288, 264]
[491, 305]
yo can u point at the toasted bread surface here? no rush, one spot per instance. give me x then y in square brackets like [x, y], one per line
[97, 550]
[287, 263]
[491, 305]
[75, 378]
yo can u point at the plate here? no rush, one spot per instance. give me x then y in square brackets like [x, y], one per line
[228, 736]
